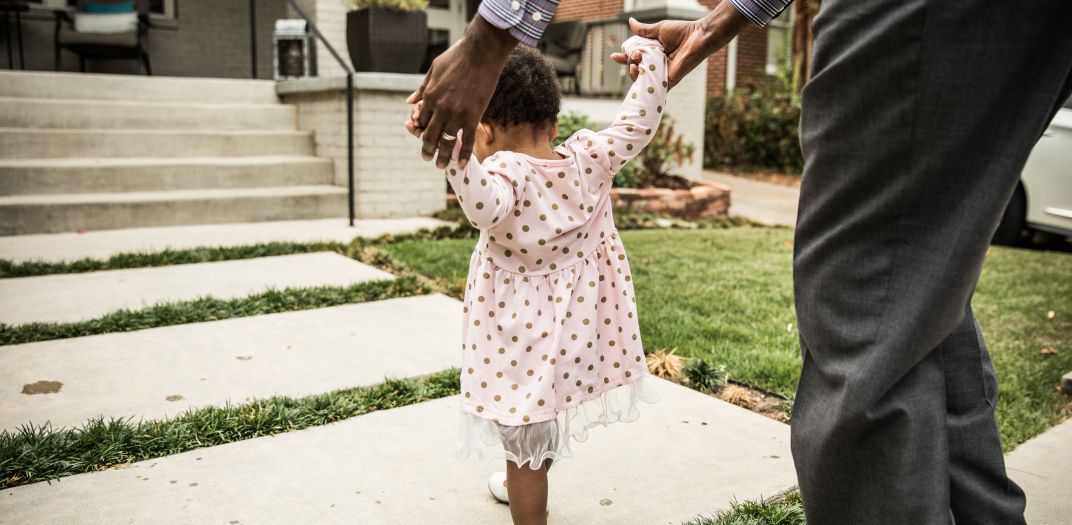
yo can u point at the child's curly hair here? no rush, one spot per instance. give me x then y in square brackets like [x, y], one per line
[527, 92]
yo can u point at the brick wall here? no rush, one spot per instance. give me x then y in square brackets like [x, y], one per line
[210, 38]
[390, 178]
[751, 56]
[587, 10]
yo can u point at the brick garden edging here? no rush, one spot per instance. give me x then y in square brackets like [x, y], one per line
[703, 199]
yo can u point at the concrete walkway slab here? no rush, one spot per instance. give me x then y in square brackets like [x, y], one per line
[74, 297]
[159, 372]
[690, 454]
[57, 247]
[759, 201]
[1043, 468]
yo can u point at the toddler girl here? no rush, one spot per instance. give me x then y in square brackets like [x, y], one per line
[551, 344]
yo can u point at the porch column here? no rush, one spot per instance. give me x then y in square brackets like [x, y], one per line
[686, 102]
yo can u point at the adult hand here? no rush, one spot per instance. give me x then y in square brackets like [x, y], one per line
[687, 43]
[457, 88]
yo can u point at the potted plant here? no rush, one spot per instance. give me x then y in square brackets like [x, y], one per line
[388, 36]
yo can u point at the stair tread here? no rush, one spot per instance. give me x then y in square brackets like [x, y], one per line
[130, 103]
[152, 131]
[170, 195]
[121, 162]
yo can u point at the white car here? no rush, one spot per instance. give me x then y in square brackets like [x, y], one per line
[1042, 202]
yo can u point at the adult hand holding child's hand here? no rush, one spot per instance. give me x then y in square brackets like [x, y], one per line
[687, 43]
[457, 89]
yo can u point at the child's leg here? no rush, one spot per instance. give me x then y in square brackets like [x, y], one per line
[528, 493]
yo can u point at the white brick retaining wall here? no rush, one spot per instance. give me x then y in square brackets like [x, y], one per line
[390, 178]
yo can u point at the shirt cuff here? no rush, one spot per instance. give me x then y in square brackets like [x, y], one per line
[526, 20]
[759, 12]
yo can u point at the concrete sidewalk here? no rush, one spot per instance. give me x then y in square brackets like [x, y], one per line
[55, 247]
[759, 201]
[1043, 468]
[160, 372]
[690, 454]
[78, 296]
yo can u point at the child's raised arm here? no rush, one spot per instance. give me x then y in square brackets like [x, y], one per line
[639, 115]
[485, 195]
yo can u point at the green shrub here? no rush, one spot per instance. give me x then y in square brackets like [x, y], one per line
[754, 128]
[652, 165]
[570, 123]
[666, 147]
[701, 375]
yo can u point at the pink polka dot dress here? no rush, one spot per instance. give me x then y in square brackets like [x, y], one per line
[551, 343]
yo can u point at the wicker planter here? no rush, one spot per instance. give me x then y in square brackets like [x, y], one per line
[702, 199]
[386, 40]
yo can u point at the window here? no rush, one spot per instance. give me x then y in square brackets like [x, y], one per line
[162, 8]
[157, 8]
[780, 42]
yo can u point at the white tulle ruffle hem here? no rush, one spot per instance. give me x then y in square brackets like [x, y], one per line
[538, 442]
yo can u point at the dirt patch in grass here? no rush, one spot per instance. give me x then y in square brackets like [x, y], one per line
[764, 403]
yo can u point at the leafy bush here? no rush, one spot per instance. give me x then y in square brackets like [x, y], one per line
[755, 128]
[399, 5]
[666, 147]
[570, 123]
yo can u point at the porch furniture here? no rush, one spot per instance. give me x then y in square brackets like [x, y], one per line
[18, 7]
[562, 44]
[130, 44]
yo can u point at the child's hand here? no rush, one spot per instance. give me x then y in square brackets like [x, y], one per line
[413, 124]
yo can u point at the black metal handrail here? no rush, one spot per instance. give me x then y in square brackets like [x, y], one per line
[349, 89]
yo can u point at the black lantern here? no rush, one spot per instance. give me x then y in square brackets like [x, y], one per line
[292, 51]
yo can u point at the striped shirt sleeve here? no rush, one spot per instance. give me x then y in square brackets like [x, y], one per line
[759, 12]
[524, 19]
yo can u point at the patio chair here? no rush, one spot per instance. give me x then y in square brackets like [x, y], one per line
[562, 44]
[132, 43]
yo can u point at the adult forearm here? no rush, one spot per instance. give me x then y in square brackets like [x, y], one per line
[489, 41]
[721, 25]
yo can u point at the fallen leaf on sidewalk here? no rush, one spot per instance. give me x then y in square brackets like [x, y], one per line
[1048, 351]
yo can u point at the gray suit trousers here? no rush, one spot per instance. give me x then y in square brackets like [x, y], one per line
[916, 124]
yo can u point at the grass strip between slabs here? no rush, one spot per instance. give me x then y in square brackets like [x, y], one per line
[210, 309]
[33, 454]
[461, 229]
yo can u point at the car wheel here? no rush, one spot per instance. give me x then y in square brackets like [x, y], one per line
[1011, 229]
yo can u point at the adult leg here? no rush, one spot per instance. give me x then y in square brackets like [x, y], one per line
[979, 491]
[916, 124]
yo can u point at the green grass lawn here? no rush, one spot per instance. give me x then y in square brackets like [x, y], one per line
[727, 295]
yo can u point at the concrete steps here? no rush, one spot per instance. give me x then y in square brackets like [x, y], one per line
[106, 114]
[90, 152]
[23, 214]
[30, 143]
[79, 296]
[30, 84]
[136, 174]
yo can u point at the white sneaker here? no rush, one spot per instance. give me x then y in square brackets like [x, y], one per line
[497, 486]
